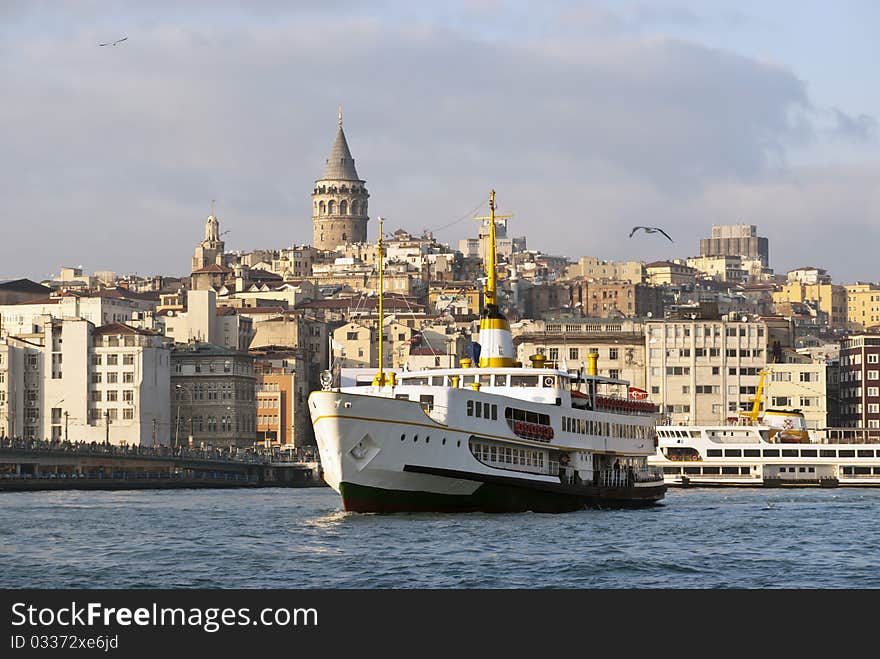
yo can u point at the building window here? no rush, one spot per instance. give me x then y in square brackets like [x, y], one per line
[128, 377]
[781, 401]
[112, 377]
[128, 413]
[111, 396]
[112, 360]
[612, 354]
[572, 353]
[128, 360]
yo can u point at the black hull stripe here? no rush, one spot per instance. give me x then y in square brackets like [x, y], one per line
[488, 498]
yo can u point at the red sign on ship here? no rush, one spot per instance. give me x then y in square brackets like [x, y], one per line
[637, 394]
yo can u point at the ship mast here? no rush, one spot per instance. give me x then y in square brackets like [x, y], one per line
[379, 379]
[496, 342]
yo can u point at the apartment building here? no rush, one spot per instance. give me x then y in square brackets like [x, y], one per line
[214, 395]
[73, 381]
[566, 344]
[860, 381]
[702, 371]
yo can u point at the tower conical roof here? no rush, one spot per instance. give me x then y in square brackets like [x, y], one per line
[340, 164]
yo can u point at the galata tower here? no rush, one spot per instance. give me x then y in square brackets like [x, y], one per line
[339, 200]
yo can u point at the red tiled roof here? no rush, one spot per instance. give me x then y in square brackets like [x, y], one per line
[262, 275]
[213, 268]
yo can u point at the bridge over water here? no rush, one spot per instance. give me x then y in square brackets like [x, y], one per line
[43, 465]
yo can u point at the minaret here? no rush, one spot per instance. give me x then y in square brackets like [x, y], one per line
[339, 200]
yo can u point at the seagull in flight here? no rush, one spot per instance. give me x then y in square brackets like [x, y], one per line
[651, 230]
[113, 43]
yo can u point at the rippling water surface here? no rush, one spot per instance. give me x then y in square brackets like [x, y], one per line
[300, 538]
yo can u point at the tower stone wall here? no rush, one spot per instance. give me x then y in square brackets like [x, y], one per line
[339, 200]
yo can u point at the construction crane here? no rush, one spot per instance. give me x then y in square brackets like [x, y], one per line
[756, 404]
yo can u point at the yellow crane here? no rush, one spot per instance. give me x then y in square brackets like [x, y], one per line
[756, 404]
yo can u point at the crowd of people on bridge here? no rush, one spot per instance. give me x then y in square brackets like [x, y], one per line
[259, 455]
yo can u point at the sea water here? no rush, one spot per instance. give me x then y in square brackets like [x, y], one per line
[301, 538]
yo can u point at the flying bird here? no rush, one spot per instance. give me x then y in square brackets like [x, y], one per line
[650, 230]
[113, 43]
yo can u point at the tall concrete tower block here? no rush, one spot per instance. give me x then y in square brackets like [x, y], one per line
[339, 200]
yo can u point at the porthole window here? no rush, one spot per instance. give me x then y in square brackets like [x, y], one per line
[427, 439]
[415, 438]
[444, 441]
[402, 437]
[458, 443]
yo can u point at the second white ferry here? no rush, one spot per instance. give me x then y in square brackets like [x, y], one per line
[776, 450]
[495, 436]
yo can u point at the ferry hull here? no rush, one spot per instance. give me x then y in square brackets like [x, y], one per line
[493, 498]
[384, 456]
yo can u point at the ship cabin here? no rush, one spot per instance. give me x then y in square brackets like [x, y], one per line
[555, 405]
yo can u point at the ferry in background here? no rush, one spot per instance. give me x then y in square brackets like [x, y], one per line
[494, 437]
[775, 450]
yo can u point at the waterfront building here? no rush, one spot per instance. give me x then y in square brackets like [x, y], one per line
[213, 395]
[282, 415]
[99, 308]
[736, 240]
[804, 386]
[860, 381]
[73, 381]
[339, 199]
[703, 370]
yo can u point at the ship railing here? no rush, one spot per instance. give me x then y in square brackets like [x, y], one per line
[628, 477]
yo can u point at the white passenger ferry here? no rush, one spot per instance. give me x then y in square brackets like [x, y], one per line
[495, 437]
[776, 451]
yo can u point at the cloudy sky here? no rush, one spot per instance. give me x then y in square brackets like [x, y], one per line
[586, 117]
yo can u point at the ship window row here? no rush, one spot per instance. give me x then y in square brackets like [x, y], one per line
[481, 410]
[730, 471]
[678, 433]
[790, 453]
[851, 470]
[484, 379]
[802, 470]
[508, 455]
[516, 414]
[604, 428]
